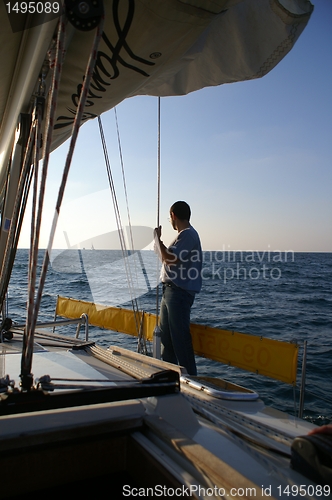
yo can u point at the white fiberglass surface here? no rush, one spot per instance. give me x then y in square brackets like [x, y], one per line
[65, 366]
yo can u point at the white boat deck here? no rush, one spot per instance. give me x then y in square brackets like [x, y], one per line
[240, 442]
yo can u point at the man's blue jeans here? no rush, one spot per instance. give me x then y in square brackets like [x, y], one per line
[175, 327]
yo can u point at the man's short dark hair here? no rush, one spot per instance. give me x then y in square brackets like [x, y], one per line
[182, 210]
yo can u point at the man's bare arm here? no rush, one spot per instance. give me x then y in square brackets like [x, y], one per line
[166, 255]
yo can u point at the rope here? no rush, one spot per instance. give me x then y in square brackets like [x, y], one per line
[16, 210]
[19, 224]
[158, 213]
[33, 236]
[36, 218]
[158, 170]
[27, 353]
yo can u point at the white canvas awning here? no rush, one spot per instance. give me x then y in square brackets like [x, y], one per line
[149, 47]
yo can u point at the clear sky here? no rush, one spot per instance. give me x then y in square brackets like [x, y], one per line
[253, 159]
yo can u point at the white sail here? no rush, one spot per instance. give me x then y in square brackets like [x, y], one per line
[149, 47]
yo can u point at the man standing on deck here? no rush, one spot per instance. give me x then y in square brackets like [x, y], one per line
[182, 279]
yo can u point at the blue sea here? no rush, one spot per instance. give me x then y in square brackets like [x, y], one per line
[279, 295]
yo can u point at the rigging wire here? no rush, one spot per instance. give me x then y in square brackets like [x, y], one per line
[119, 224]
[141, 344]
[128, 212]
[125, 191]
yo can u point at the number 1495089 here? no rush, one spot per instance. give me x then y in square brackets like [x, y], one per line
[305, 490]
[33, 7]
